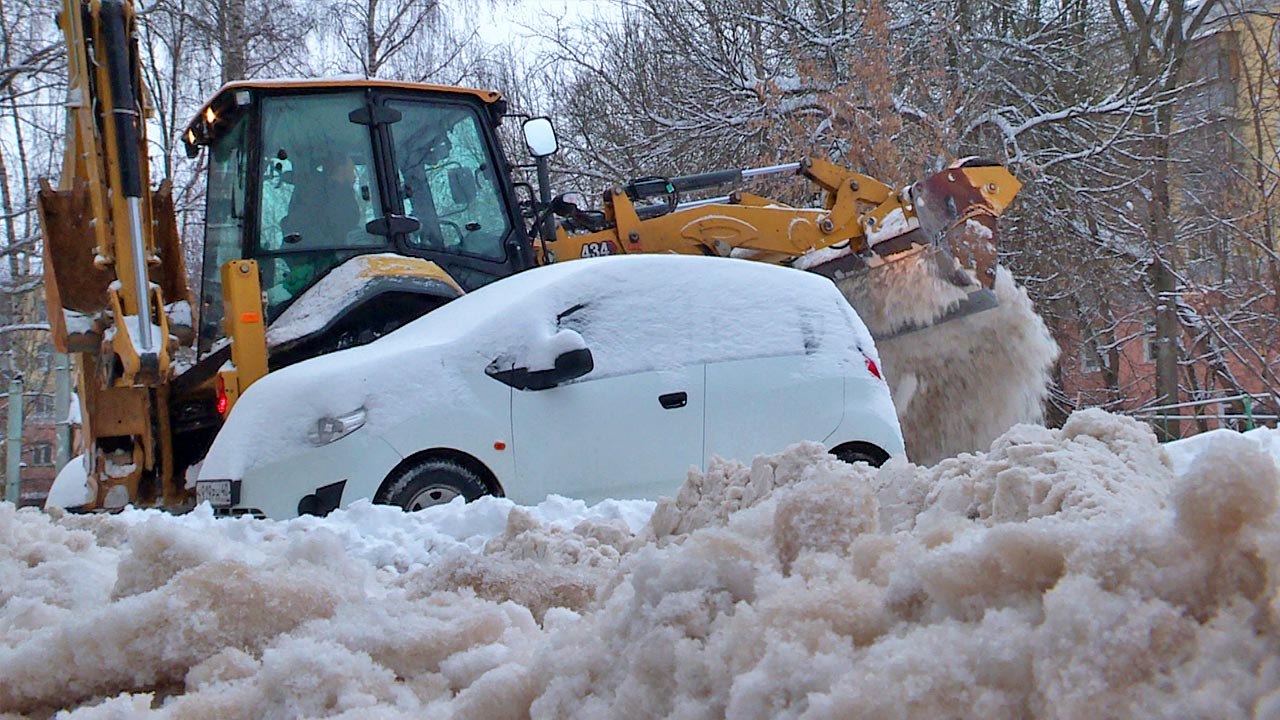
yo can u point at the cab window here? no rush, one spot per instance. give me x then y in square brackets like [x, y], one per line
[447, 179]
[224, 221]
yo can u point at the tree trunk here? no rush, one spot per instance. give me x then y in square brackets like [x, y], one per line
[10, 225]
[235, 50]
[1164, 288]
[371, 59]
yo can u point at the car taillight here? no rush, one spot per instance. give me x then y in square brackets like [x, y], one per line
[871, 365]
[222, 396]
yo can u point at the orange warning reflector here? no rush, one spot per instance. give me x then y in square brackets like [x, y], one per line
[250, 317]
[499, 445]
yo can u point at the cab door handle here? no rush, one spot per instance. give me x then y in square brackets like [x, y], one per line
[674, 400]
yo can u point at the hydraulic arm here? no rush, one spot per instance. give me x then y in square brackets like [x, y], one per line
[114, 275]
[953, 213]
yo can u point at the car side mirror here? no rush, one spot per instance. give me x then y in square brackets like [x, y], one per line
[569, 365]
[540, 137]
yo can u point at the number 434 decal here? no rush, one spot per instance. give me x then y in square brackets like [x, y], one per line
[598, 249]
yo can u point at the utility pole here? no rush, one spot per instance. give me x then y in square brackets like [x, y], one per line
[62, 407]
[13, 449]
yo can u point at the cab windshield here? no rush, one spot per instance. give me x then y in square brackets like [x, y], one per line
[318, 191]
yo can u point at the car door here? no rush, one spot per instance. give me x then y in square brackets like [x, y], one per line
[762, 405]
[629, 428]
[790, 393]
[628, 436]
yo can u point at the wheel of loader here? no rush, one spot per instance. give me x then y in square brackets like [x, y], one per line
[432, 481]
[861, 452]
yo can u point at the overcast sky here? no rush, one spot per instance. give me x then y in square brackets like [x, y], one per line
[508, 21]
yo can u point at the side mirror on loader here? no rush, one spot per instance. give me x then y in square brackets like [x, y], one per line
[540, 137]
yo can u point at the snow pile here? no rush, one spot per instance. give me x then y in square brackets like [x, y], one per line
[1065, 574]
[71, 486]
[1183, 452]
[959, 384]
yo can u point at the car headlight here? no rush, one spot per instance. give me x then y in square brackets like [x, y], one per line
[330, 428]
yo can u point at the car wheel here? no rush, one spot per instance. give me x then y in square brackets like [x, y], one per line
[430, 482]
[861, 452]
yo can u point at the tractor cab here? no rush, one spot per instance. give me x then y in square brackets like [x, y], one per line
[303, 176]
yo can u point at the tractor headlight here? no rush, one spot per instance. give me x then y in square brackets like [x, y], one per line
[331, 428]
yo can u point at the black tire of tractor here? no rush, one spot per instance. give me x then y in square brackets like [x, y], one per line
[869, 454]
[430, 482]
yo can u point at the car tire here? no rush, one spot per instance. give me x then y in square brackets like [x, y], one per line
[861, 452]
[430, 482]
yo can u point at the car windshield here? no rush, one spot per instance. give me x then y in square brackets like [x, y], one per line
[447, 179]
[319, 191]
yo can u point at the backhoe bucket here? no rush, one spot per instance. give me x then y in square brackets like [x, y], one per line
[74, 284]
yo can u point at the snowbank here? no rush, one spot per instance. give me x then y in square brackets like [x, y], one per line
[1183, 452]
[1064, 574]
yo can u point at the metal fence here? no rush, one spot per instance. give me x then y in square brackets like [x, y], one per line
[1246, 416]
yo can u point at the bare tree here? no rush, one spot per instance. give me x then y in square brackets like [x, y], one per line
[1086, 100]
[375, 35]
[31, 93]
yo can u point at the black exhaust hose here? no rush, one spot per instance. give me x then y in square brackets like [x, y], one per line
[124, 108]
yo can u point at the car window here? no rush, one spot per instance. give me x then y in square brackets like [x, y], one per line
[318, 189]
[318, 192]
[629, 335]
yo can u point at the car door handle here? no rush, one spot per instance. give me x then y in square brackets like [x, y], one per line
[674, 400]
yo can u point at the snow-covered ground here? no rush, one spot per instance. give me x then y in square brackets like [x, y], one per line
[1067, 573]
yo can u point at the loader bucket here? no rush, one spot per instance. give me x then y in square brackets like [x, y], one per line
[944, 266]
[957, 210]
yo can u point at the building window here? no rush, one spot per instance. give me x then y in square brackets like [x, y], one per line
[42, 454]
[41, 405]
[1090, 360]
[1150, 345]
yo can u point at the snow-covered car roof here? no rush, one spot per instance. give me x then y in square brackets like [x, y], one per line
[707, 291]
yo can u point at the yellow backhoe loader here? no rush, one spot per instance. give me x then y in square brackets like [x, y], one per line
[338, 210]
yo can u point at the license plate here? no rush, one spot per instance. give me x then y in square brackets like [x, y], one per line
[216, 492]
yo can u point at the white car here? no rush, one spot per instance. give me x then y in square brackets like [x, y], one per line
[592, 379]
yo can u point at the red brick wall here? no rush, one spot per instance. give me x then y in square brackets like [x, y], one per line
[1133, 387]
[38, 473]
